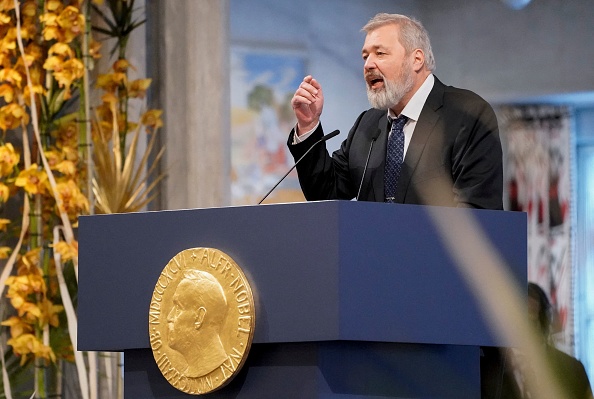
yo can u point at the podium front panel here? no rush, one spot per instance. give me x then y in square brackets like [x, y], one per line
[321, 271]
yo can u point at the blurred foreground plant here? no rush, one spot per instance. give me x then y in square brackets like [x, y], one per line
[46, 52]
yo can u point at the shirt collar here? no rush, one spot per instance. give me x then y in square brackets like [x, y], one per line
[413, 109]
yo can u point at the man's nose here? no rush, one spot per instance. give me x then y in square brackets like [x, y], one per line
[369, 63]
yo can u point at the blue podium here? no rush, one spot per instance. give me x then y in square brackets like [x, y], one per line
[353, 299]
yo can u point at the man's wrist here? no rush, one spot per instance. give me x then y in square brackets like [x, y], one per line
[298, 138]
[305, 129]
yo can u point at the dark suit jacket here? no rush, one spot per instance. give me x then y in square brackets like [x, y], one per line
[454, 157]
[570, 373]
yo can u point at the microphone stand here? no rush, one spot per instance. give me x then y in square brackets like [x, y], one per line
[325, 138]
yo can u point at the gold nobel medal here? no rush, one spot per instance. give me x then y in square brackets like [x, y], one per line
[201, 320]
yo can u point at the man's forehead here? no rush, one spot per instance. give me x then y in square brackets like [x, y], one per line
[382, 36]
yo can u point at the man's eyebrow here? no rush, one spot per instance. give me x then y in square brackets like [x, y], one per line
[374, 47]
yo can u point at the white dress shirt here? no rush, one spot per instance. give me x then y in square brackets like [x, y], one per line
[413, 109]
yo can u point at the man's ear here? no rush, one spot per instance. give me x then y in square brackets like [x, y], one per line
[200, 314]
[418, 59]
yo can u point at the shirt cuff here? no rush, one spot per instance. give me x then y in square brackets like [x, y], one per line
[298, 139]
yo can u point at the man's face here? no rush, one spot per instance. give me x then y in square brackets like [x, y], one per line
[388, 69]
[180, 320]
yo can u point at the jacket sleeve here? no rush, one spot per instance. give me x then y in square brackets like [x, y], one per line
[477, 167]
[321, 176]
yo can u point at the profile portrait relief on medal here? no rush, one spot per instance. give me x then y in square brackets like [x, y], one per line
[201, 320]
[195, 322]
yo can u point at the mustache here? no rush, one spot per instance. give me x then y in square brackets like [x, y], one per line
[373, 75]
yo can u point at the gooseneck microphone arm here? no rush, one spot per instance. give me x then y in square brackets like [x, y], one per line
[325, 138]
[367, 163]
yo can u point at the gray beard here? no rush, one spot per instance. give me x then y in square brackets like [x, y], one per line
[392, 92]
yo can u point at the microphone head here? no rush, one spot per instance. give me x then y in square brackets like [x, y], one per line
[330, 135]
[377, 134]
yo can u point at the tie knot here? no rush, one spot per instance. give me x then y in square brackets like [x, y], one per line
[400, 121]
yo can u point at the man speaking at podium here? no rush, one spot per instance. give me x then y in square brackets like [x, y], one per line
[421, 143]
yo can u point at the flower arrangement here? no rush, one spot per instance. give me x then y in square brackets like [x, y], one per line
[58, 160]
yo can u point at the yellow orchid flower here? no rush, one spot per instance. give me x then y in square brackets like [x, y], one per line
[7, 92]
[49, 313]
[34, 51]
[29, 28]
[57, 162]
[20, 287]
[70, 71]
[73, 201]
[66, 135]
[69, 153]
[32, 180]
[15, 300]
[53, 63]
[5, 252]
[9, 158]
[67, 251]
[37, 89]
[152, 118]
[17, 326]
[137, 88]
[5, 58]
[51, 32]
[11, 76]
[29, 9]
[61, 49]
[28, 262]
[12, 115]
[29, 59]
[30, 311]
[53, 158]
[27, 284]
[72, 22]
[4, 192]
[54, 5]
[37, 283]
[28, 344]
[66, 167]
[37, 75]
[4, 18]
[49, 19]
[8, 42]
[4, 223]
[110, 81]
[95, 49]
[6, 5]
[121, 66]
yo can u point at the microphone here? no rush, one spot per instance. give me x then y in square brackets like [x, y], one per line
[325, 138]
[367, 162]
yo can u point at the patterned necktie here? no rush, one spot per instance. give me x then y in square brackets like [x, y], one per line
[394, 158]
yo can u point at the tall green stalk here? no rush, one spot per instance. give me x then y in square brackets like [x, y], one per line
[120, 25]
[84, 112]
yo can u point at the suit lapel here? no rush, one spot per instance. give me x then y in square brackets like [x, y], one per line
[377, 160]
[423, 130]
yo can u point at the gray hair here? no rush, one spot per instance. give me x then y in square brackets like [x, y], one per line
[412, 34]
